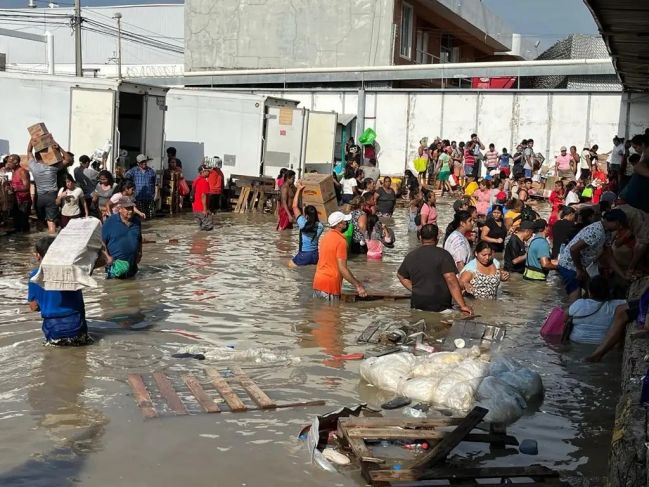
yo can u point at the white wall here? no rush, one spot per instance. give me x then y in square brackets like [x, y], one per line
[552, 119]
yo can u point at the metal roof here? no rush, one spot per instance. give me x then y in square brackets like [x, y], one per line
[624, 25]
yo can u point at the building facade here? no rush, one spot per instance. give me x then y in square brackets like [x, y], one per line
[239, 34]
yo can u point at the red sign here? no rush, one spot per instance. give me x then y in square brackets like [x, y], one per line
[282, 132]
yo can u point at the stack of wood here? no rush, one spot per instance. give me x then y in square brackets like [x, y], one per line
[319, 191]
[44, 144]
[254, 194]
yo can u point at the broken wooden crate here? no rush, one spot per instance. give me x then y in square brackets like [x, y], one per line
[357, 431]
[220, 391]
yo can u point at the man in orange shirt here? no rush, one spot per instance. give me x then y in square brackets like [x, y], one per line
[215, 180]
[332, 261]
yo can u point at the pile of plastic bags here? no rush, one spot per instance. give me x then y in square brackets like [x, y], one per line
[458, 381]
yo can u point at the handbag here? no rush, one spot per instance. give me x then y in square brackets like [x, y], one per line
[183, 188]
[556, 325]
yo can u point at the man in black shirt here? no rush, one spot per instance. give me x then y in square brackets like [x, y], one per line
[515, 250]
[429, 272]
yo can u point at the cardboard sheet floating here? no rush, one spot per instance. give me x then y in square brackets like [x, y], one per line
[157, 394]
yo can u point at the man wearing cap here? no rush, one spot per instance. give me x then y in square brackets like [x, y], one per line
[579, 258]
[146, 189]
[332, 261]
[430, 274]
[201, 189]
[122, 236]
[515, 250]
[562, 164]
[538, 262]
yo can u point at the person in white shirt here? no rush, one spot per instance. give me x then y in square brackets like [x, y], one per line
[617, 155]
[71, 199]
[349, 184]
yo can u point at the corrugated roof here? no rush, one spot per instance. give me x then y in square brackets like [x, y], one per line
[624, 25]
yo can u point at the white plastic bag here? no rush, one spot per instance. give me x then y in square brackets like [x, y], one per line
[456, 389]
[389, 371]
[420, 388]
[504, 403]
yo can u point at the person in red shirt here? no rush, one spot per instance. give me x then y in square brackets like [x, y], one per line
[332, 261]
[216, 182]
[201, 189]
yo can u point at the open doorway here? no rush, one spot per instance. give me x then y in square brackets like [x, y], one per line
[130, 125]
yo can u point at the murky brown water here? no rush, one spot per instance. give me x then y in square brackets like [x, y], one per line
[67, 416]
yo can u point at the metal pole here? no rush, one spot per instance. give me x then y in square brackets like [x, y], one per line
[50, 52]
[77, 38]
[118, 16]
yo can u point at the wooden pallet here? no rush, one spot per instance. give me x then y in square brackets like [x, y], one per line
[253, 199]
[215, 394]
[356, 431]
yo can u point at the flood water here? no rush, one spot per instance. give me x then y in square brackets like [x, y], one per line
[67, 416]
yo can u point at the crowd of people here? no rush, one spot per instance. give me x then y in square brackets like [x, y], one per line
[594, 235]
[595, 229]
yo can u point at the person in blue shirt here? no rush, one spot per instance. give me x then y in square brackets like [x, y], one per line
[310, 231]
[63, 312]
[122, 236]
[146, 189]
[538, 263]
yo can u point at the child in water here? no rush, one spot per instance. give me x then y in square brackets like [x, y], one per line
[63, 312]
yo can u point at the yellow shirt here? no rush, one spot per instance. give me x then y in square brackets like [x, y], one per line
[471, 188]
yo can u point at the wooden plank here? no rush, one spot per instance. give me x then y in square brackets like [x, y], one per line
[232, 400]
[462, 473]
[262, 202]
[141, 395]
[255, 392]
[358, 446]
[364, 422]
[435, 483]
[350, 296]
[451, 440]
[395, 434]
[199, 393]
[167, 391]
[253, 201]
[237, 208]
[246, 200]
[301, 404]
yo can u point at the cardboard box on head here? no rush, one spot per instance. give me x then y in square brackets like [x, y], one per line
[71, 258]
[325, 209]
[43, 142]
[51, 156]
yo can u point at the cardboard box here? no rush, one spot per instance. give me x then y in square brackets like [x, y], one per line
[319, 188]
[51, 156]
[43, 142]
[37, 130]
[325, 209]
[70, 260]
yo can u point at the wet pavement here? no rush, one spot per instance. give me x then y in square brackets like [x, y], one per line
[68, 418]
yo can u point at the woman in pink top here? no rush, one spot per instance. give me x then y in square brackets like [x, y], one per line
[483, 197]
[562, 164]
[428, 212]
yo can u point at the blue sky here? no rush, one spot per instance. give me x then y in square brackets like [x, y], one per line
[545, 20]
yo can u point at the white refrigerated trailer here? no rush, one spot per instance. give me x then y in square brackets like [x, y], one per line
[84, 114]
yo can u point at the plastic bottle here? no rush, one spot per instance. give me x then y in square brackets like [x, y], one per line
[414, 413]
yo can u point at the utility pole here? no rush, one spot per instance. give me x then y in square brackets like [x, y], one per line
[77, 38]
[118, 17]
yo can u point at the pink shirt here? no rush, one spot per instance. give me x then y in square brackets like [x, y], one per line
[563, 162]
[428, 215]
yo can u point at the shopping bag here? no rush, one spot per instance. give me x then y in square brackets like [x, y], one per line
[183, 188]
[554, 323]
[368, 137]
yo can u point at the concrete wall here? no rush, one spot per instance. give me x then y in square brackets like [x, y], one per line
[287, 34]
[552, 119]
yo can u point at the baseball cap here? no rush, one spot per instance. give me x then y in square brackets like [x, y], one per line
[608, 196]
[563, 147]
[501, 196]
[527, 225]
[142, 158]
[338, 216]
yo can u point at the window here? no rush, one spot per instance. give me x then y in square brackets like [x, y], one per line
[446, 49]
[423, 56]
[407, 21]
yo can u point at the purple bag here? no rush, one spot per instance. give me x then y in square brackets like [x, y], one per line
[554, 324]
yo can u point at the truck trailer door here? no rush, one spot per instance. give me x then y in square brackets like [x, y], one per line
[283, 140]
[320, 142]
[92, 119]
[153, 133]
